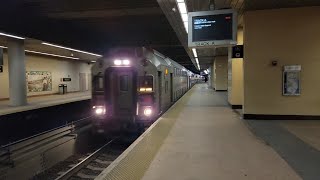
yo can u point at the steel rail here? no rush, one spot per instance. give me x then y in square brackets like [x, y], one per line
[68, 174]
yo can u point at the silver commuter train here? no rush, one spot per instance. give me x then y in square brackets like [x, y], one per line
[131, 87]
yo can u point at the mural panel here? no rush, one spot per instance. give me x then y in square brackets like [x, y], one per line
[38, 81]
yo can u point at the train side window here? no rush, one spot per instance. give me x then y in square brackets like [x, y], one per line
[124, 83]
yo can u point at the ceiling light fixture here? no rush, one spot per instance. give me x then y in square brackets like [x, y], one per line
[57, 46]
[194, 52]
[12, 36]
[3, 47]
[184, 17]
[48, 54]
[182, 7]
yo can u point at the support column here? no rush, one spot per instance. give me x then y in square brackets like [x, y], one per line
[235, 76]
[17, 73]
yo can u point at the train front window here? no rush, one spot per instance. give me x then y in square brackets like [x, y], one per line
[146, 83]
[124, 83]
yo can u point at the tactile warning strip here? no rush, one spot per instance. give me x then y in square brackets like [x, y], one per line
[134, 162]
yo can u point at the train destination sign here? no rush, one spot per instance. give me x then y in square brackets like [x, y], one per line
[212, 28]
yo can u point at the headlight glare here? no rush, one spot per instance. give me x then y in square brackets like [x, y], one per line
[147, 111]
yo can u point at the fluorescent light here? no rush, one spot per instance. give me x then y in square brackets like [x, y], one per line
[179, 1]
[57, 46]
[184, 17]
[3, 47]
[48, 54]
[194, 52]
[93, 61]
[186, 26]
[182, 8]
[9, 35]
[197, 60]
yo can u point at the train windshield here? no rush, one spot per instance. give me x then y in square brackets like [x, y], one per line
[146, 83]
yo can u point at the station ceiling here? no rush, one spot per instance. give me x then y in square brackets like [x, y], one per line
[98, 25]
[206, 56]
[94, 26]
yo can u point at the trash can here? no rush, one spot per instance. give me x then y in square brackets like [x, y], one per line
[65, 88]
[61, 88]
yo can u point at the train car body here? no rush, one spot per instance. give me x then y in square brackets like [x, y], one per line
[133, 86]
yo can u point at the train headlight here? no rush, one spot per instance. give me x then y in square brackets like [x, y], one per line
[100, 110]
[147, 111]
[117, 62]
[126, 62]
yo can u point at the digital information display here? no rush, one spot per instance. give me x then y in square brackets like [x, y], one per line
[212, 28]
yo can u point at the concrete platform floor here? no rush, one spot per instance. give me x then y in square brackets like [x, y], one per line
[307, 130]
[44, 101]
[209, 141]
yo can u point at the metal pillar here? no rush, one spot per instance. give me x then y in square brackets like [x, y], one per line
[17, 73]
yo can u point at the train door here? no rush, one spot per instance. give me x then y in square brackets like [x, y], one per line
[83, 82]
[125, 97]
[171, 87]
[160, 89]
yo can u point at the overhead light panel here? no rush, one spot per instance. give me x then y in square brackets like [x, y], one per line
[184, 17]
[57, 46]
[12, 36]
[186, 26]
[3, 47]
[182, 7]
[194, 52]
[49, 54]
[93, 61]
[197, 60]
[179, 1]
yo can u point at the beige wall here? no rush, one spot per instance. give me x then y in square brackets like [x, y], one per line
[235, 75]
[290, 36]
[220, 67]
[58, 67]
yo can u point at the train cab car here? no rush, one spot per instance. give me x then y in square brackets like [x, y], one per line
[131, 87]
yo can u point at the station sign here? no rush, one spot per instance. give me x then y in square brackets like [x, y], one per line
[237, 51]
[217, 28]
[66, 79]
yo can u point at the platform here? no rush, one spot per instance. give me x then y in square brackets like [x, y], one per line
[200, 137]
[44, 101]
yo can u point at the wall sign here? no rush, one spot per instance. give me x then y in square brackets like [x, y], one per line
[237, 51]
[66, 79]
[1, 69]
[291, 80]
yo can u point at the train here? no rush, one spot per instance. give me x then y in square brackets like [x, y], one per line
[131, 87]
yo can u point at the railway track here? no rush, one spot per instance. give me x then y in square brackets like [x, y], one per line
[93, 164]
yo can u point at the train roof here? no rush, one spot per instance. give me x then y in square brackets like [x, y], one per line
[155, 57]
